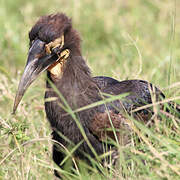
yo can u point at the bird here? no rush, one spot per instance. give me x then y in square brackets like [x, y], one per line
[55, 48]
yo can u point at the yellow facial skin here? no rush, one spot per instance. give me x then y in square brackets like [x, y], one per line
[56, 69]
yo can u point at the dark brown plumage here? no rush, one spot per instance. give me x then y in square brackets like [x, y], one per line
[55, 47]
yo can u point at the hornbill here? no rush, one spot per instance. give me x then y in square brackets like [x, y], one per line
[55, 48]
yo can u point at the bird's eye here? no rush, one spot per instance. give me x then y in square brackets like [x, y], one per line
[57, 43]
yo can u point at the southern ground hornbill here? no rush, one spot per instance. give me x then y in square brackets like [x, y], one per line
[55, 48]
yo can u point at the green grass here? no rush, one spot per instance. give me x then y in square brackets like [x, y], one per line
[136, 39]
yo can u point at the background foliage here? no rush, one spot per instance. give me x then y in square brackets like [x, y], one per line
[123, 39]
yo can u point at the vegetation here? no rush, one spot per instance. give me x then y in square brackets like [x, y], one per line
[136, 39]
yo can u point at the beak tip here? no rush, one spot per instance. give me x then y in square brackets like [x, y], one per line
[16, 102]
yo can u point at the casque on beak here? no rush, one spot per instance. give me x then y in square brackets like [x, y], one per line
[37, 62]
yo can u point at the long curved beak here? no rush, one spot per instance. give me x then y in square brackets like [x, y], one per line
[36, 64]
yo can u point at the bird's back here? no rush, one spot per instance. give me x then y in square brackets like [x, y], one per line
[139, 92]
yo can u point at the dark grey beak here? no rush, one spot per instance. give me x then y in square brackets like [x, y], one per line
[37, 62]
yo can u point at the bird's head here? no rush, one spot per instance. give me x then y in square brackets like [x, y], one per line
[52, 41]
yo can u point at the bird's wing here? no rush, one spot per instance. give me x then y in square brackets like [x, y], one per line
[112, 125]
[104, 81]
[139, 92]
[112, 114]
